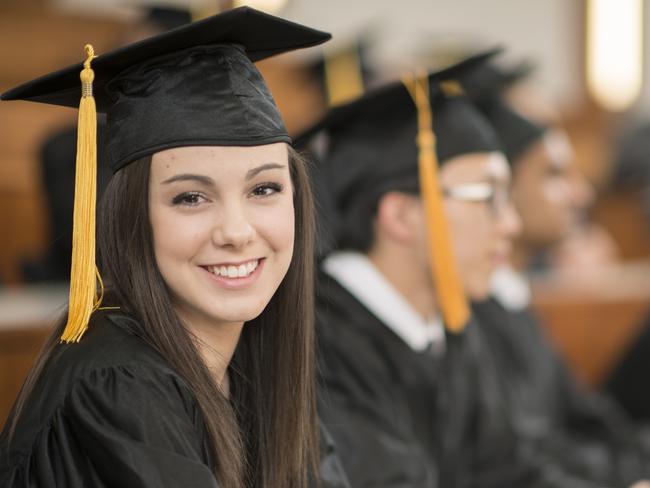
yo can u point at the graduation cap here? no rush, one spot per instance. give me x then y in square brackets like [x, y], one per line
[394, 139]
[485, 86]
[343, 70]
[193, 85]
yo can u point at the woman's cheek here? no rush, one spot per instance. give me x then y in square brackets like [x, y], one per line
[276, 223]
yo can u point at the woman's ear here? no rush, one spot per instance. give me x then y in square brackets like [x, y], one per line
[399, 217]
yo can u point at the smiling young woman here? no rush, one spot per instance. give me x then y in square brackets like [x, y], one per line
[231, 338]
[196, 366]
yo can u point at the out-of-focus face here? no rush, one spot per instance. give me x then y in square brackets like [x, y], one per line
[481, 219]
[548, 191]
[222, 220]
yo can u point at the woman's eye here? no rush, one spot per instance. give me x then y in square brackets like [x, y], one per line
[190, 199]
[266, 189]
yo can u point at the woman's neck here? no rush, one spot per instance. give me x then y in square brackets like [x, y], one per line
[216, 343]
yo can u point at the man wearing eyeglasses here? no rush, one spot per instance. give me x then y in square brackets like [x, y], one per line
[410, 402]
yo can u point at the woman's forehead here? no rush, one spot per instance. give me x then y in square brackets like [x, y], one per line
[217, 159]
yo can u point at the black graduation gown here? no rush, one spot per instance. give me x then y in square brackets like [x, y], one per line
[402, 418]
[560, 423]
[111, 412]
[367, 376]
[628, 382]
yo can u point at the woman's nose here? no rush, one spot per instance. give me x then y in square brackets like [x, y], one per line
[233, 228]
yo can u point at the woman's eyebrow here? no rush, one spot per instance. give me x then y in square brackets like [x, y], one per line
[254, 171]
[206, 180]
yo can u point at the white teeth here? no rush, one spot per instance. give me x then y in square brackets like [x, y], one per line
[232, 271]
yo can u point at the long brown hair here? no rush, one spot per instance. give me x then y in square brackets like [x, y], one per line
[266, 432]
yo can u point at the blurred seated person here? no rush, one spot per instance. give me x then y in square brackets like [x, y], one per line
[58, 174]
[557, 420]
[628, 381]
[584, 244]
[409, 396]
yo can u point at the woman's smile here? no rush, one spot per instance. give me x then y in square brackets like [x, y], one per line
[235, 275]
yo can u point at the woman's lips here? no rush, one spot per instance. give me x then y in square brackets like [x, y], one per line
[235, 276]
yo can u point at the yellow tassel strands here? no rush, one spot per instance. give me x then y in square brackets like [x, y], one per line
[343, 77]
[451, 298]
[83, 285]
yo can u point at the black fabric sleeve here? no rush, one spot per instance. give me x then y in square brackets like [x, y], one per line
[121, 427]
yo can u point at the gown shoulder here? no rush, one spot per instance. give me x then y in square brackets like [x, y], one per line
[108, 411]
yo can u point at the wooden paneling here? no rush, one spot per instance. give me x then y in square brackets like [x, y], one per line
[591, 336]
[299, 99]
[18, 349]
[37, 40]
[622, 214]
[34, 40]
[24, 231]
[592, 317]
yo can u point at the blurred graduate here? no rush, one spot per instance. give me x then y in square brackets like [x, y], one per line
[584, 434]
[417, 217]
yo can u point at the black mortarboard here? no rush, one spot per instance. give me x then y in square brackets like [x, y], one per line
[371, 146]
[194, 85]
[344, 71]
[392, 139]
[485, 86]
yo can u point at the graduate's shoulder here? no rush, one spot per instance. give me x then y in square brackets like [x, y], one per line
[339, 309]
[107, 396]
[112, 354]
[111, 357]
[112, 340]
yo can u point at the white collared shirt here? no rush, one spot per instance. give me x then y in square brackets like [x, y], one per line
[510, 288]
[359, 276]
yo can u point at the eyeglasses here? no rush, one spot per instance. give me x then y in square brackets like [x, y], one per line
[496, 196]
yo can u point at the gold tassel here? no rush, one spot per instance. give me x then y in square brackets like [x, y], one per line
[83, 286]
[452, 88]
[343, 77]
[452, 301]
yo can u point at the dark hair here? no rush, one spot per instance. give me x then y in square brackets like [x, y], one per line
[357, 212]
[266, 433]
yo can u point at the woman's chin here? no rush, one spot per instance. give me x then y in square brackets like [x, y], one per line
[243, 314]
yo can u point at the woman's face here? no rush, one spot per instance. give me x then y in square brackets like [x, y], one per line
[222, 220]
[481, 231]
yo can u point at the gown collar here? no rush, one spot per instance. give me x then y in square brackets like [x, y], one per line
[359, 276]
[510, 288]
